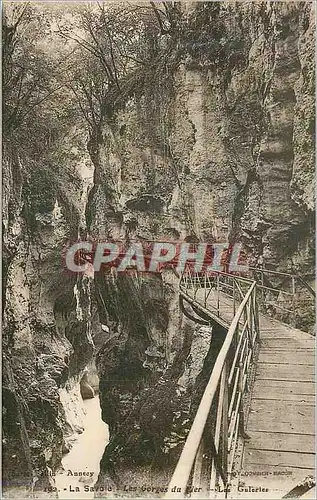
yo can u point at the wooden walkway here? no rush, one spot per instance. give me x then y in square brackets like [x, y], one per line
[280, 452]
[281, 418]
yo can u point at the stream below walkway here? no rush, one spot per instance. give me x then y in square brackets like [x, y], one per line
[81, 464]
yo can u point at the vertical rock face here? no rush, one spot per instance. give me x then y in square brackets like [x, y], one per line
[216, 146]
[215, 142]
[226, 147]
[46, 342]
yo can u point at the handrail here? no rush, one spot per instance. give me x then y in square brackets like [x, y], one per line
[288, 275]
[270, 271]
[185, 463]
[226, 382]
[307, 286]
[287, 301]
[220, 282]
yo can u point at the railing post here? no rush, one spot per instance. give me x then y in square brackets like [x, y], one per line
[219, 419]
[225, 424]
[218, 292]
[242, 430]
[249, 319]
[256, 313]
[196, 285]
[293, 300]
[234, 296]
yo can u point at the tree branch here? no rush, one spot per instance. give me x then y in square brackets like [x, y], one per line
[158, 17]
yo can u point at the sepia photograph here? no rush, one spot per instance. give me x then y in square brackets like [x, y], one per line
[158, 249]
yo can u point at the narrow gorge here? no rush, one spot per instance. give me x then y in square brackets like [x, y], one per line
[150, 121]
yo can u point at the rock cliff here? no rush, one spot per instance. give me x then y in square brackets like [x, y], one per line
[213, 142]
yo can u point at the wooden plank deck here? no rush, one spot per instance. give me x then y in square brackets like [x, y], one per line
[281, 419]
[281, 449]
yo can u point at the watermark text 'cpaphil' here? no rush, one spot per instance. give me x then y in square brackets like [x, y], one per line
[153, 257]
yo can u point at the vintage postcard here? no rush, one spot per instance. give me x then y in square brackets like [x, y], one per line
[158, 245]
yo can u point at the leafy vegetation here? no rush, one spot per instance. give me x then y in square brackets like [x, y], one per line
[72, 68]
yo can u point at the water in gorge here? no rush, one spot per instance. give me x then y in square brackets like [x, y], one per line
[85, 455]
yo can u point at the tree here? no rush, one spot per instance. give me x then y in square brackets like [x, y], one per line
[34, 98]
[116, 45]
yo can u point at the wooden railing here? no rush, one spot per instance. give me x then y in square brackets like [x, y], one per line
[208, 455]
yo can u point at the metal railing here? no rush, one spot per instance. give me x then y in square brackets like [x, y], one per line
[287, 296]
[209, 289]
[208, 454]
